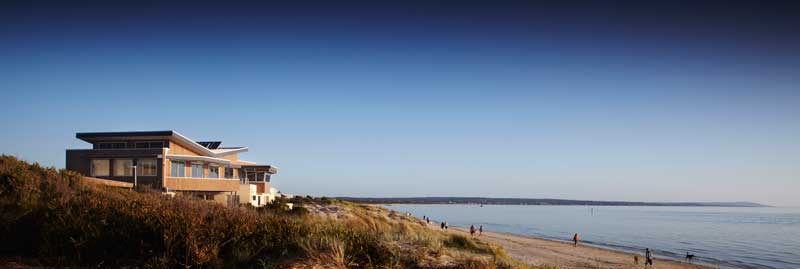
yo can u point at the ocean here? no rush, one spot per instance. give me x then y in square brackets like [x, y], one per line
[724, 237]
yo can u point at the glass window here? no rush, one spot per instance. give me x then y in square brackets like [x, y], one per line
[149, 144]
[213, 171]
[228, 172]
[177, 169]
[123, 167]
[197, 170]
[100, 167]
[146, 167]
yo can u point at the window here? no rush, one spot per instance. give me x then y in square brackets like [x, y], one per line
[197, 170]
[123, 167]
[111, 145]
[177, 169]
[213, 171]
[100, 168]
[146, 167]
[254, 197]
[149, 144]
[228, 172]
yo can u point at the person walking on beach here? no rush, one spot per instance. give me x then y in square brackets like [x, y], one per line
[480, 231]
[442, 225]
[446, 226]
[575, 239]
[472, 230]
[648, 258]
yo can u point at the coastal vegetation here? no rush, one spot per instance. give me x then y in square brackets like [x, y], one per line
[54, 218]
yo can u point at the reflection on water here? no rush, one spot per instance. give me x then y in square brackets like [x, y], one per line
[727, 237]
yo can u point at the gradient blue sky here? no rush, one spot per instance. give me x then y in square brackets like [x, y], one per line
[660, 102]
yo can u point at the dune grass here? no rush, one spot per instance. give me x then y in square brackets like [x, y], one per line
[54, 218]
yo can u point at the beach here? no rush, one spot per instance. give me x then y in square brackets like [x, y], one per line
[539, 252]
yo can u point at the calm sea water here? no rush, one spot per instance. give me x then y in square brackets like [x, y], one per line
[719, 236]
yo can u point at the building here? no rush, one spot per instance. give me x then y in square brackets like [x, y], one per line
[170, 162]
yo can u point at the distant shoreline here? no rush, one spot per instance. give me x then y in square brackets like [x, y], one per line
[533, 201]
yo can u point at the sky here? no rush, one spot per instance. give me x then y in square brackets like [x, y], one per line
[658, 101]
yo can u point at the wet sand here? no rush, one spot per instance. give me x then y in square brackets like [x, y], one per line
[537, 251]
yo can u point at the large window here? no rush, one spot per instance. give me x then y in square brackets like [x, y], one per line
[213, 171]
[228, 172]
[146, 167]
[100, 168]
[123, 167]
[177, 169]
[197, 170]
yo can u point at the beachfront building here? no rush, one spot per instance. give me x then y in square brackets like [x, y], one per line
[174, 164]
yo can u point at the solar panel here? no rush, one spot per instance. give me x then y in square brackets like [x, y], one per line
[210, 144]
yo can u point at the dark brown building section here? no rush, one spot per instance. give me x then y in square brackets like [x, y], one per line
[79, 160]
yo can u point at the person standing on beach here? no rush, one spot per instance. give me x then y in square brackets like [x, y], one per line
[446, 226]
[442, 225]
[575, 239]
[648, 258]
[480, 231]
[472, 230]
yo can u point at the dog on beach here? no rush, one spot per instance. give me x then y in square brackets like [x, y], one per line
[689, 257]
[635, 259]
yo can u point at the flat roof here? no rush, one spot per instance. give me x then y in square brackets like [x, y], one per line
[170, 134]
[90, 135]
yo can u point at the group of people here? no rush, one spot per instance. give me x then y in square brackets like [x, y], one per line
[444, 225]
[472, 230]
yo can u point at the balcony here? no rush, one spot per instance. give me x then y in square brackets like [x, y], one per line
[201, 184]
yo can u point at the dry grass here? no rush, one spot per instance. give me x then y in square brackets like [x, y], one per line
[59, 220]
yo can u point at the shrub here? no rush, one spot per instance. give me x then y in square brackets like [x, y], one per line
[65, 222]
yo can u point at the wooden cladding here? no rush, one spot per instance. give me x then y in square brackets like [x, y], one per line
[200, 184]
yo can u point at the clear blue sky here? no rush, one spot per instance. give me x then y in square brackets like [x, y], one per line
[664, 103]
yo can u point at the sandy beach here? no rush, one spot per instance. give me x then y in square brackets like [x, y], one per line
[537, 251]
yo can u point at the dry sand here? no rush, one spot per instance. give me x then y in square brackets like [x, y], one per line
[537, 251]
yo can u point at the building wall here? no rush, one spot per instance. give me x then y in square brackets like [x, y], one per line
[178, 149]
[79, 160]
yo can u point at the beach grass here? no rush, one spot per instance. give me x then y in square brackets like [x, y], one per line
[54, 218]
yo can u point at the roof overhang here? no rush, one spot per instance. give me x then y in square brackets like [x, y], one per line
[261, 168]
[152, 135]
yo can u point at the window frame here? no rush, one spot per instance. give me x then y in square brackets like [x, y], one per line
[193, 165]
[124, 169]
[226, 175]
[139, 170]
[148, 144]
[172, 168]
[112, 145]
[216, 167]
[92, 168]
